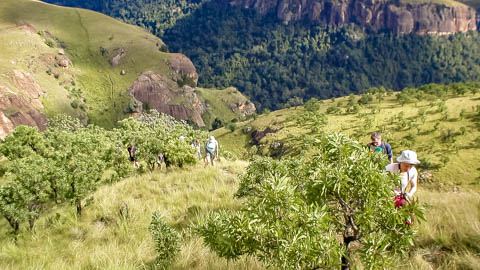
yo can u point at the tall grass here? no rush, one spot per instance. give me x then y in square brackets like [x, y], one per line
[450, 237]
[113, 234]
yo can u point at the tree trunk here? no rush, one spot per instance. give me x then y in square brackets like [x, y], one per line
[79, 207]
[14, 224]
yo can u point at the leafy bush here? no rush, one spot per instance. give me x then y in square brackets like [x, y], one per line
[312, 105]
[232, 126]
[333, 110]
[304, 213]
[167, 241]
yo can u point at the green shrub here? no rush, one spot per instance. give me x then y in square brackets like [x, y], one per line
[167, 241]
[232, 126]
[50, 43]
[302, 213]
[312, 105]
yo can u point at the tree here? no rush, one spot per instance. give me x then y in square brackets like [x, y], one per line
[312, 105]
[166, 239]
[24, 197]
[304, 213]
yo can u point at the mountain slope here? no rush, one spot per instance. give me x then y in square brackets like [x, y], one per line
[75, 61]
[445, 134]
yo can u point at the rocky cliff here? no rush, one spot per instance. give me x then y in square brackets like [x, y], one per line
[153, 91]
[399, 17]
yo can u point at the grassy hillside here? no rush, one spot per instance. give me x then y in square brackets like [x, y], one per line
[33, 33]
[112, 233]
[427, 138]
[103, 238]
[82, 32]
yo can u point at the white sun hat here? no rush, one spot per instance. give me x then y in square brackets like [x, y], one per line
[408, 156]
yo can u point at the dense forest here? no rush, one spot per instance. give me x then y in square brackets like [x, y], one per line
[153, 15]
[271, 62]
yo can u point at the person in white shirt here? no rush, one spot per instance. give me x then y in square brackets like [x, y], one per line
[408, 173]
[211, 149]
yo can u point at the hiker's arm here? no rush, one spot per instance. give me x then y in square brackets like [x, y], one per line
[389, 152]
[218, 150]
[413, 188]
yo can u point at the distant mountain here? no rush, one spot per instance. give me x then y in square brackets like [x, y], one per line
[277, 50]
[64, 60]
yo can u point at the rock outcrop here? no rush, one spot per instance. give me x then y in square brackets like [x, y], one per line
[154, 89]
[402, 18]
[15, 110]
[183, 68]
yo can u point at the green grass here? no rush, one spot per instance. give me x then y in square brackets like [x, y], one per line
[219, 102]
[462, 169]
[83, 32]
[103, 239]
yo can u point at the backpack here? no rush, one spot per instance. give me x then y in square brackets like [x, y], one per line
[210, 146]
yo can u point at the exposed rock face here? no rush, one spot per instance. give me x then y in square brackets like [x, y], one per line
[244, 108]
[183, 67]
[24, 81]
[372, 14]
[15, 110]
[155, 90]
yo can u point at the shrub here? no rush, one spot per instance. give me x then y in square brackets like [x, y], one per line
[232, 126]
[50, 43]
[312, 105]
[167, 241]
[217, 123]
[303, 213]
[333, 110]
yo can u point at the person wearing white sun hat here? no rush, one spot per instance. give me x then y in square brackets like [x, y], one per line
[211, 151]
[408, 173]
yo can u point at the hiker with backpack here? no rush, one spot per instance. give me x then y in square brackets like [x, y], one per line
[160, 158]
[211, 151]
[131, 153]
[377, 145]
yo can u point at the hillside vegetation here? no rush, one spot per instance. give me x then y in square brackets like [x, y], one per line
[81, 62]
[436, 121]
[232, 46]
[112, 232]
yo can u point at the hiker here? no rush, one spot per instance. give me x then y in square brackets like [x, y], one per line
[211, 151]
[131, 153]
[408, 174]
[196, 146]
[378, 145]
[160, 158]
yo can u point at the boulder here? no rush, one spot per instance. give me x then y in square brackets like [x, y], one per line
[119, 54]
[25, 82]
[155, 90]
[182, 67]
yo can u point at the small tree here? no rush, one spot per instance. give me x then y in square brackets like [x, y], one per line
[312, 105]
[167, 241]
[23, 198]
[305, 213]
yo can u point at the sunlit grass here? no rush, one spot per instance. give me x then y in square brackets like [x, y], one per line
[113, 232]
